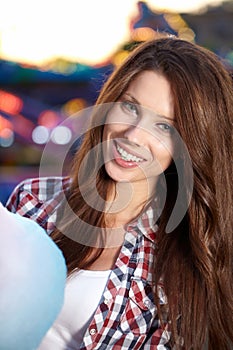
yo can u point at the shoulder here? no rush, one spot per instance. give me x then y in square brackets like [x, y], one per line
[37, 191]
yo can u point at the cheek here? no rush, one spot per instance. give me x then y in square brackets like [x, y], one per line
[107, 132]
[112, 130]
[163, 151]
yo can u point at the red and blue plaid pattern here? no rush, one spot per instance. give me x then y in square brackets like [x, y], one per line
[126, 317]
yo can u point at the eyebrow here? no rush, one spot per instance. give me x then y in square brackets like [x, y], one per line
[138, 103]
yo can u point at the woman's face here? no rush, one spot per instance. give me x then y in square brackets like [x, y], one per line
[138, 135]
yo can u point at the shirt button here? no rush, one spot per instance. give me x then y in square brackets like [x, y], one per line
[106, 301]
[92, 331]
[147, 303]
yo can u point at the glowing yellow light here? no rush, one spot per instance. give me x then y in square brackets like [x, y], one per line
[180, 26]
[73, 106]
[84, 31]
[143, 34]
[175, 20]
[186, 34]
[62, 66]
[119, 57]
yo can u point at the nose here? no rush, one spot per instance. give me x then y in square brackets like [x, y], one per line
[136, 134]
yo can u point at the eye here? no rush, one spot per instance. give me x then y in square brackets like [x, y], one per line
[130, 107]
[166, 128]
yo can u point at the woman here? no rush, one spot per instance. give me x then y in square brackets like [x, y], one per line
[147, 238]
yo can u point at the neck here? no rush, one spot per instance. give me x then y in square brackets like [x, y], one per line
[128, 202]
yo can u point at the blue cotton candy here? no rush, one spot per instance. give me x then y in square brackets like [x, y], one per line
[32, 282]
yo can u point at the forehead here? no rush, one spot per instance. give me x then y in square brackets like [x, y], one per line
[152, 90]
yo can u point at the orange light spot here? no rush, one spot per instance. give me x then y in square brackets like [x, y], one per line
[10, 103]
[48, 118]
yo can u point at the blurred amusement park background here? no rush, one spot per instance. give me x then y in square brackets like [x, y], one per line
[37, 99]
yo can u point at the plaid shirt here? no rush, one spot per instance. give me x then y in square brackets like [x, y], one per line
[126, 317]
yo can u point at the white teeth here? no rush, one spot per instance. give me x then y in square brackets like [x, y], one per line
[127, 156]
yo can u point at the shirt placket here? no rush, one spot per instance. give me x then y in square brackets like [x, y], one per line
[103, 320]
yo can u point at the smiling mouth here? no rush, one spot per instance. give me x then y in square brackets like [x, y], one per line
[128, 157]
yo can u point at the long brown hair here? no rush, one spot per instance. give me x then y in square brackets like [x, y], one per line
[195, 260]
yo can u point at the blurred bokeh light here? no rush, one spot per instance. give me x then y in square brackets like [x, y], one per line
[55, 57]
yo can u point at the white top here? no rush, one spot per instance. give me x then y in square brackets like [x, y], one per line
[83, 292]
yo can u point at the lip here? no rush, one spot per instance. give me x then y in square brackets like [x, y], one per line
[123, 163]
[128, 150]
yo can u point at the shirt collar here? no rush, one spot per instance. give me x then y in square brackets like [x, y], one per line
[147, 222]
